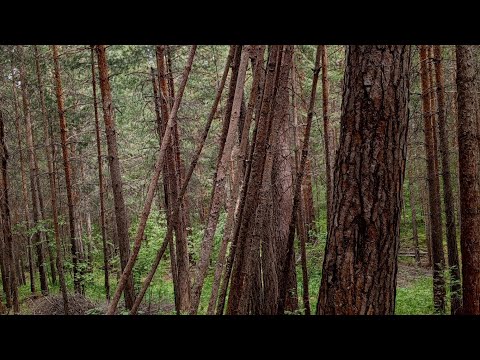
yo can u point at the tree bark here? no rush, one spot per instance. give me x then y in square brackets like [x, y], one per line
[67, 168]
[151, 190]
[101, 187]
[452, 249]
[326, 130]
[121, 218]
[33, 173]
[8, 253]
[360, 266]
[219, 187]
[468, 171]
[433, 185]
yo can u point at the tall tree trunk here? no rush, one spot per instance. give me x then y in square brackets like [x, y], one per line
[101, 187]
[326, 130]
[115, 172]
[25, 205]
[67, 168]
[453, 262]
[8, 253]
[53, 269]
[49, 152]
[468, 170]
[360, 266]
[33, 172]
[433, 186]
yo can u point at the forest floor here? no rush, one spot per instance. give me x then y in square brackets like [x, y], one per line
[414, 296]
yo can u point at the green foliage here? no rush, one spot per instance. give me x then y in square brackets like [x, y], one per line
[415, 299]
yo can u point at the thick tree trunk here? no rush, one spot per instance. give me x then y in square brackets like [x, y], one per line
[468, 170]
[433, 185]
[453, 262]
[289, 258]
[33, 172]
[360, 266]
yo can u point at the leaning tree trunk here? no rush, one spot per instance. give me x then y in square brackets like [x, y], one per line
[468, 171]
[360, 266]
[433, 185]
[115, 172]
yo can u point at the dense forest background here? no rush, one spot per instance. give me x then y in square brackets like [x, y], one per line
[225, 167]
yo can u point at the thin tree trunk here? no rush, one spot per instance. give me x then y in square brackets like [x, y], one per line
[433, 186]
[53, 270]
[33, 172]
[326, 130]
[115, 172]
[173, 178]
[468, 170]
[453, 262]
[101, 187]
[67, 168]
[25, 204]
[411, 192]
[8, 253]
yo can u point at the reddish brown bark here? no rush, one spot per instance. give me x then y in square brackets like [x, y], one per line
[66, 167]
[219, 187]
[49, 151]
[326, 130]
[468, 171]
[433, 185]
[360, 266]
[33, 174]
[121, 218]
[452, 250]
[25, 205]
[232, 203]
